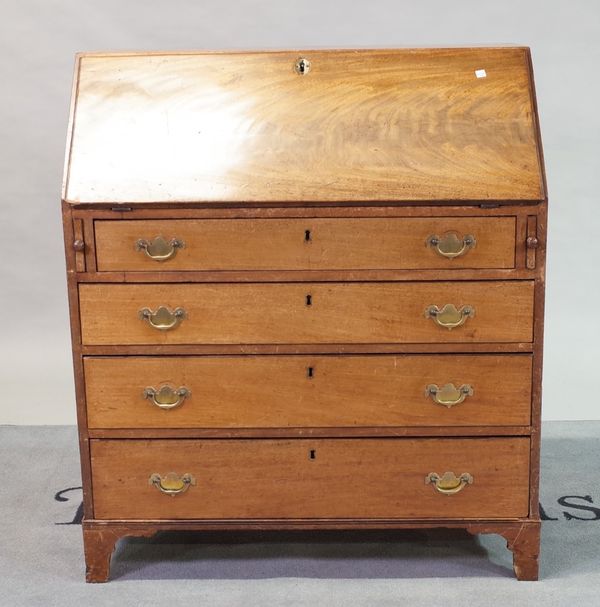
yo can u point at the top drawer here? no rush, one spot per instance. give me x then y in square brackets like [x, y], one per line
[306, 244]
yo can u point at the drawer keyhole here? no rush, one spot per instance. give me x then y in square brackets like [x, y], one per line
[310, 372]
[312, 454]
[307, 236]
[309, 300]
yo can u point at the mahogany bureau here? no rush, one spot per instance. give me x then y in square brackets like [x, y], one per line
[306, 292]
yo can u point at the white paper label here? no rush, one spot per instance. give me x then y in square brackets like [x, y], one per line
[480, 73]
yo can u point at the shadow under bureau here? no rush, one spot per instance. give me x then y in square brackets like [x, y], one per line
[306, 292]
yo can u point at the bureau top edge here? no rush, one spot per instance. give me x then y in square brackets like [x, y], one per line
[371, 126]
[312, 49]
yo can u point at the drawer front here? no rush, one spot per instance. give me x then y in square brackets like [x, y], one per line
[308, 391]
[307, 313]
[309, 478]
[306, 244]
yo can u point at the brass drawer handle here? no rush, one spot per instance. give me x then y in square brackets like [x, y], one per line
[448, 395]
[450, 316]
[163, 319]
[449, 245]
[167, 397]
[449, 483]
[172, 484]
[159, 249]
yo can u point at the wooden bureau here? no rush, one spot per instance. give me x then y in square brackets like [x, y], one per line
[306, 292]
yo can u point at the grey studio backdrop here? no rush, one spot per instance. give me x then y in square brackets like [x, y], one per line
[39, 38]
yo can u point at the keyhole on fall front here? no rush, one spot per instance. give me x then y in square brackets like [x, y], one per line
[312, 454]
[307, 236]
[310, 372]
[309, 300]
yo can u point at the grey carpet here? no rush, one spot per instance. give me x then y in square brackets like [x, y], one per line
[41, 556]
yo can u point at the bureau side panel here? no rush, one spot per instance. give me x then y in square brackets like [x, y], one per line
[84, 450]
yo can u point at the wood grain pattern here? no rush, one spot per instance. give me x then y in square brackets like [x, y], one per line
[347, 478]
[308, 391]
[380, 125]
[299, 244]
[279, 314]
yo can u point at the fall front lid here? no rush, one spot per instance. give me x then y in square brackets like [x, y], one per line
[417, 125]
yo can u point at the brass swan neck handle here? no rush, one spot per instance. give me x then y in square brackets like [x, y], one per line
[448, 483]
[448, 395]
[163, 319]
[172, 483]
[166, 397]
[449, 316]
[449, 245]
[159, 249]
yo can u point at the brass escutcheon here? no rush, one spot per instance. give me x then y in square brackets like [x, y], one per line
[172, 484]
[166, 397]
[159, 249]
[450, 316]
[163, 319]
[449, 483]
[448, 395]
[449, 245]
[302, 66]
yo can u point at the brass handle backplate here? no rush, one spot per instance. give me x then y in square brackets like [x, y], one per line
[172, 484]
[449, 483]
[449, 245]
[159, 249]
[450, 316]
[167, 397]
[448, 395]
[163, 319]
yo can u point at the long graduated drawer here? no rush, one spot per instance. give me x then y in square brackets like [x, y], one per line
[308, 391]
[310, 478]
[306, 244]
[312, 313]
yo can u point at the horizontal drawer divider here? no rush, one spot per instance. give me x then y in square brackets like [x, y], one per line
[257, 433]
[252, 349]
[304, 210]
[274, 276]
